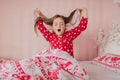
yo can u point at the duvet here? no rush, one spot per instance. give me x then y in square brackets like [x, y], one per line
[47, 65]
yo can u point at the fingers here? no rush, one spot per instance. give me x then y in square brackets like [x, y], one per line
[37, 10]
[36, 13]
[84, 9]
[84, 13]
[79, 10]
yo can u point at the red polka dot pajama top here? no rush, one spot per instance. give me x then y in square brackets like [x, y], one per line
[65, 42]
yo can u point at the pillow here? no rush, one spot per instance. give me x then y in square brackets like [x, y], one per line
[108, 61]
[100, 41]
[109, 42]
[113, 42]
[112, 47]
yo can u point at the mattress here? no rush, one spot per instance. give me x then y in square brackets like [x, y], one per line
[96, 72]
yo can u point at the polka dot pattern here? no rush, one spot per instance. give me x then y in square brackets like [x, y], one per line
[65, 42]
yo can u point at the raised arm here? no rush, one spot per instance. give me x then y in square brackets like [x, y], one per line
[40, 26]
[81, 26]
[83, 20]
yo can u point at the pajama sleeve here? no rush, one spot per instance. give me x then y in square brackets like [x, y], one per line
[47, 35]
[78, 29]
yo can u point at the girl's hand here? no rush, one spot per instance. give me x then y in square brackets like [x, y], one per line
[84, 13]
[78, 10]
[36, 13]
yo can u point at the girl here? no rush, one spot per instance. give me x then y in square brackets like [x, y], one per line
[60, 39]
[54, 64]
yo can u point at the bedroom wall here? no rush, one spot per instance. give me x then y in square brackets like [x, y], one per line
[17, 37]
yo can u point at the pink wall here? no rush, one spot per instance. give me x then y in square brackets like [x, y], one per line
[17, 37]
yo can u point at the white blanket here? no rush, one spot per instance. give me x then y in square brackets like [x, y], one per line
[47, 65]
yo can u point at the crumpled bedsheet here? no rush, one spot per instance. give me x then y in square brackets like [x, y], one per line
[47, 65]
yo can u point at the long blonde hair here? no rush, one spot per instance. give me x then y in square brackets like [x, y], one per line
[49, 21]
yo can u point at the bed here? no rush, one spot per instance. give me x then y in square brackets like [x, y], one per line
[107, 65]
[97, 72]
[94, 71]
